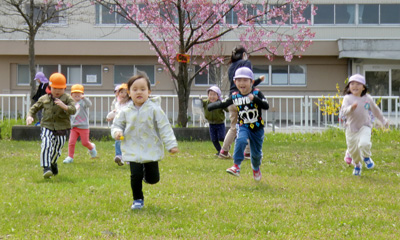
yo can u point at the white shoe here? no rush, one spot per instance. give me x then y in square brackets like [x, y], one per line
[68, 160]
[93, 152]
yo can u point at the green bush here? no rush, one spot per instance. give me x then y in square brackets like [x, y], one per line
[6, 127]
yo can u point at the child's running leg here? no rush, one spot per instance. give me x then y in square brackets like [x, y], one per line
[46, 147]
[352, 140]
[214, 137]
[73, 137]
[256, 142]
[365, 146]
[59, 142]
[238, 155]
[151, 173]
[137, 172]
[84, 134]
[118, 153]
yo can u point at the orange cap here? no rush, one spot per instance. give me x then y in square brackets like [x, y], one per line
[77, 88]
[123, 86]
[57, 80]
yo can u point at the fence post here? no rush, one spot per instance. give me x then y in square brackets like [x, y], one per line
[306, 113]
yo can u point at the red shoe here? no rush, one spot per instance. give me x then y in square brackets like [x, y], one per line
[257, 175]
[224, 154]
[234, 170]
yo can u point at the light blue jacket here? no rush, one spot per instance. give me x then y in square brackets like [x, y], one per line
[146, 130]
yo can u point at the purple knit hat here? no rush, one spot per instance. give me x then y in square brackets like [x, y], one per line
[41, 77]
[217, 90]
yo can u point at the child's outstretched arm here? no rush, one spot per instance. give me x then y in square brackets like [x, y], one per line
[32, 112]
[378, 113]
[220, 104]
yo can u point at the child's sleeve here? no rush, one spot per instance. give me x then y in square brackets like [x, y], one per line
[164, 129]
[261, 101]
[70, 102]
[376, 111]
[345, 109]
[220, 104]
[119, 123]
[87, 102]
[35, 108]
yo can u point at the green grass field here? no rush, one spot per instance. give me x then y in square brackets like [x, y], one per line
[307, 192]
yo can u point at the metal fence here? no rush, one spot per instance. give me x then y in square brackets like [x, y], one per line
[286, 113]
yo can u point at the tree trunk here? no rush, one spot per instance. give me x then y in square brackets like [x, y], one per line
[32, 69]
[183, 94]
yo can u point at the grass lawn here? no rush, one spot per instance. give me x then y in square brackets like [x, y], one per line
[307, 192]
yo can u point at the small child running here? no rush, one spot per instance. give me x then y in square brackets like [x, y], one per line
[355, 107]
[146, 130]
[249, 102]
[57, 107]
[80, 124]
[123, 101]
[215, 118]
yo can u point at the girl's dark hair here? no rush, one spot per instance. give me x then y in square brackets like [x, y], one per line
[137, 77]
[346, 90]
[237, 53]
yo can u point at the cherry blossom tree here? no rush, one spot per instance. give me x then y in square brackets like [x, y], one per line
[198, 28]
[28, 17]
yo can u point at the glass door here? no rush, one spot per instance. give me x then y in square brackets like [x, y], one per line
[378, 85]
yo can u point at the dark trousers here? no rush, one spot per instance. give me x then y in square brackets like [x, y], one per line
[148, 172]
[217, 134]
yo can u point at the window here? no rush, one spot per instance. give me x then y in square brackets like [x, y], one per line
[41, 13]
[48, 69]
[260, 70]
[286, 10]
[297, 75]
[104, 16]
[82, 74]
[390, 13]
[279, 75]
[212, 76]
[122, 73]
[368, 13]
[231, 17]
[253, 9]
[325, 14]
[23, 75]
[345, 13]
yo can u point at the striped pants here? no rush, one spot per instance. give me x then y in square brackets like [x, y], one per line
[51, 147]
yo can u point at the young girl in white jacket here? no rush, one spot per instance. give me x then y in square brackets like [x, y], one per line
[355, 107]
[144, 130]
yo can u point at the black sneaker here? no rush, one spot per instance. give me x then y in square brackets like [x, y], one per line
[54, 168]
[47, 173]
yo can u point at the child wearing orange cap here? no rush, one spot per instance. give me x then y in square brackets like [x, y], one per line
[80, 124]
[57, 107]
[123, 100]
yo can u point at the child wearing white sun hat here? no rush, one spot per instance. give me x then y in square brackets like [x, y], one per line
[356, 107]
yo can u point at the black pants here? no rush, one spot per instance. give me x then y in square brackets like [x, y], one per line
[148, 172]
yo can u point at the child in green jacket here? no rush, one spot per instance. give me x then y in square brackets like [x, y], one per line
[216, 118]
[57, 109]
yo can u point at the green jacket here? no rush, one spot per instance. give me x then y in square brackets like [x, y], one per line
[216, 116]
[54, 117]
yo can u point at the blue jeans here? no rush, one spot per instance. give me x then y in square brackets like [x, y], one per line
[118, 148]
[256, 140]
